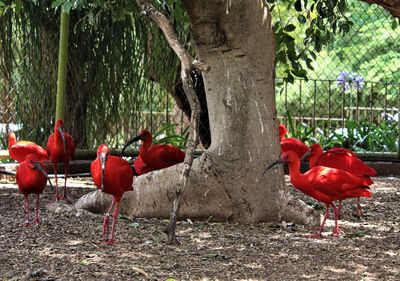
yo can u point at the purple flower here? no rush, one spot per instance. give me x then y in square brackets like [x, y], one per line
[349, 81]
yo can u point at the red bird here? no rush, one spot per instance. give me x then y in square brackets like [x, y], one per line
[113, 175]
[292, 144]
[18, 150]
[154, 157]
[60, 147]
[324, 184]
[31, 178]
[282, 132]
[340, 158]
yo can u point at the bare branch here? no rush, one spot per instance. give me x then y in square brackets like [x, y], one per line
[187, 64]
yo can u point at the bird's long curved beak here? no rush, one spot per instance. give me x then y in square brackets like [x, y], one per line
[305, 156]
[135, 139]
[279, 161]
[61, 130]
[103, 158]
[37, 165]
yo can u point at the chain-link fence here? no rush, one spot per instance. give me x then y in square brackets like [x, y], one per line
[352, 96]
[355, 83]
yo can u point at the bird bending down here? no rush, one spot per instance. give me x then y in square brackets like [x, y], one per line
[340, 158]
[154, 157]
[60, 147]
[18, 150]
[112, 175]
[31, 179]
[324, 184]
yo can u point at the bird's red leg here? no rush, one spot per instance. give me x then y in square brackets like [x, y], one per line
[359, 208]
[27, 211]
[56, 198]
[107, 220]
[319, 234]
[111, 239]
[37, 221]
[339, 208]
[64, 196]
[337, 231]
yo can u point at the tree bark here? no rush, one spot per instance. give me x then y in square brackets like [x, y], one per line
[393, 6]
[236, 39]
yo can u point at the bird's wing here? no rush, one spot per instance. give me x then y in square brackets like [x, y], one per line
[49, 144]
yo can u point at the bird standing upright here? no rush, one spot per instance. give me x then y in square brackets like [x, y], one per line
[292, 144]
[18, 150]
[60, 147]
[31, 179]
[282, 132]
[112, 175]
[340, 158]
[324, 184]
[154, 157]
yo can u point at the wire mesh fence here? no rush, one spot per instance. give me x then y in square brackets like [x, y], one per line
[331, 101]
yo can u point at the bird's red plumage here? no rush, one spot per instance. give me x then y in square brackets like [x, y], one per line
[325, 185]
[18, 150]
[31, 180]
[59, 153]
[117, 178]
[282, 132]
[118, 175]
[159, 156]
[340, 158]
[293, 144]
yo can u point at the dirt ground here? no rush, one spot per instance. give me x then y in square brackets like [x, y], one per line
[65, 245]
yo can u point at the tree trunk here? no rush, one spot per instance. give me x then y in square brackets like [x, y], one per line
[236, 39]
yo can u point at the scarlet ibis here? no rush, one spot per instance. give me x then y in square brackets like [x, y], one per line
[18, 150]
[154, 157]
[292, 144]
[340, 158]
[282, 132]
[60, 147]
[113, 175]
[31, 179]
[324, 184]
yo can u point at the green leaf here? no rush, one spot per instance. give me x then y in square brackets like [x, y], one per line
[67, 7]
[302, 19]
[2, 4]
[56, 3]
[290, 27]
[394, 24]
[84, 261]
[135, 224]
[297, 5]
[240, 249]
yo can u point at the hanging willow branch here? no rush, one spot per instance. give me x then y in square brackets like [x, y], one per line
[187, 64]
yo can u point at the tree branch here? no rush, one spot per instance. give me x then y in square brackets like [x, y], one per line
[187, 64]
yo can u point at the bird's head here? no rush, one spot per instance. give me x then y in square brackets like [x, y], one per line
[11, 139]
[287, 157]
[102, 153]
[33, 161]
[144, 135]
[315, 150]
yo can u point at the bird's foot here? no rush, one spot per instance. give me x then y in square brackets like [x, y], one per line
[336, 232]
[56, 199]
[109, 242]
[66, 198]
[318, 235]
